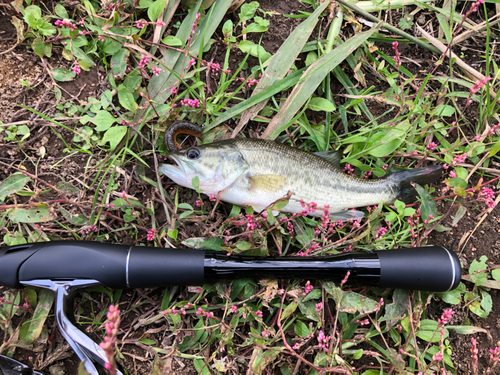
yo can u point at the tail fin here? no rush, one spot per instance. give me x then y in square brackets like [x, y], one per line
[421, 176]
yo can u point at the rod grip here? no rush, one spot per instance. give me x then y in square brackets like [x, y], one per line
[433, 268]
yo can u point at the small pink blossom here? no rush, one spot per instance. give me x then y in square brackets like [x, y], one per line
[76, 68]
[141, 24]
[445, 317]
[438, 357]
[193, 103]
[381, 232]
[431, 146]
[156, 71]
[319, 306]
[151, 234]
[398, 54]
[144, 61]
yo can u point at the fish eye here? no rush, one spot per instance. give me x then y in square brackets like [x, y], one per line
[193, 153]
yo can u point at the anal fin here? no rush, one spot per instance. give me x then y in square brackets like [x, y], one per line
[347, 215]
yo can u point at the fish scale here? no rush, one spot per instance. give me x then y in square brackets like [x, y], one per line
[257, 173]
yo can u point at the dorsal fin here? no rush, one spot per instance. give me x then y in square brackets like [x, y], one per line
[332, 156]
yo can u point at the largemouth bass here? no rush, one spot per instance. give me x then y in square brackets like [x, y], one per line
[258, 173]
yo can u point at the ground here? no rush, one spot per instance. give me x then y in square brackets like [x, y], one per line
[25, 81]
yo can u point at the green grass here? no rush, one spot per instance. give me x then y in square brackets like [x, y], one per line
[266, 326]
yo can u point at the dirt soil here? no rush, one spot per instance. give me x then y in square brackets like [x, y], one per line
[44, 148]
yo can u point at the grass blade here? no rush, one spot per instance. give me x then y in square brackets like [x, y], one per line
[281, 62]
[310, 81]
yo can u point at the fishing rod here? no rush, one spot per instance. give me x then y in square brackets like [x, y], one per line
[66, 266]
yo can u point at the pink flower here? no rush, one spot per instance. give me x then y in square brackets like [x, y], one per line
[141, 24]
[308, 288]
[445, 317]
[398, 54]
[144, 61]
[173, 91]
[151, 234]
[381, 232]
[193, 103]
[191, 63]
[431, 146]
[319, 306]
[156, 71]
[437, 357]
[259, 313]
[348, 169]
[76, 68]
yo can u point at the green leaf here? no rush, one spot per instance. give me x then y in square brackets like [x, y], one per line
[428, 331]
[289, 310]
[39, 317]
[453, 297]
[486, 302]
[38, 47]
[82, 57]
[126, 98]
[16, 239]
[388, 140]
[114, 136]
[103, 120]
[406, 22]
[39, 214]
[155, 9]
[119, 62]
[352, 302]
[445, 110]
[397, 308]
[243, 245]
[496, 274]
[495, 149]
[478, 266]
[227, 29]
[172, 41]
[428, 206]
[253, 49]
[75, 219]
[321, 104]
[301, 329]
[62, 74]
[61, 11]
[185, 206]
[254, 28]
[12, 184]
[32, 14]
[247, 11]
[46, 29]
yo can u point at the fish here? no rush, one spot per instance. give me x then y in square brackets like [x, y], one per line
[258, 173]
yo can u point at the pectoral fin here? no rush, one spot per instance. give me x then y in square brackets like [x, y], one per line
[271, 183]
[347, 215]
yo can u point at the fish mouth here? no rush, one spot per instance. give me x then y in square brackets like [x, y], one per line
[178, 171]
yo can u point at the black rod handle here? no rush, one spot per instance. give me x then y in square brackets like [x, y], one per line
[120, 266]
[421, 268]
